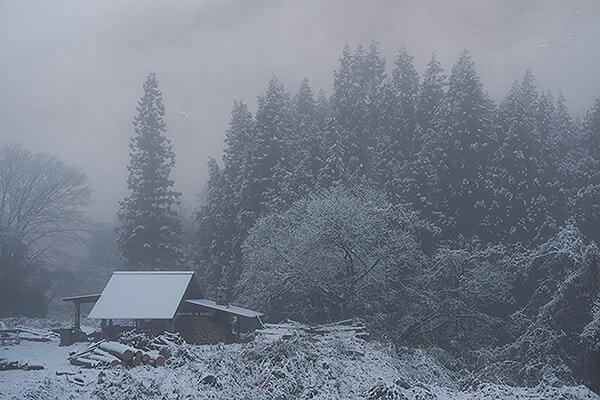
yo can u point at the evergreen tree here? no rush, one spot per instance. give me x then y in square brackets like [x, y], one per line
[569, 157]
[240, 203]
[431, 114]
[464, 153]
[334, 172]
[240, 211]
[403, 91]
[309, 154]
[519, 163]
[586, 206]
[212, 250]
[226, 214]
[238, 138]
[555, 128]
[591, 138]
[564, 136]
[431, 104]
[304, 108]
[270, 167]
[322, 112]
[396, 139]
[150, 225]
[356, 106]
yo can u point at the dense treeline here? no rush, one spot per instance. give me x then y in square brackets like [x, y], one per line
[512, 173]
[486, 214]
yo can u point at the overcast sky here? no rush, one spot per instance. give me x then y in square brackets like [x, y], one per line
[71, 71]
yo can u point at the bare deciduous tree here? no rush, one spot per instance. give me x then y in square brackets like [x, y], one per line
[41, 201]
[41, 217]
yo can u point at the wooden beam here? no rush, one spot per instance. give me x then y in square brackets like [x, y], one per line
[77, 316]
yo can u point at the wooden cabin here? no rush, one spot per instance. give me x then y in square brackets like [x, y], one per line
[157, 301]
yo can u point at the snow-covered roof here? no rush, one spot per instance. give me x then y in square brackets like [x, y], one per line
[142, 295]
[235, 310]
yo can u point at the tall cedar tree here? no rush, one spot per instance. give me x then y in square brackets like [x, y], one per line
[270, 167]
[309, 153]
[397, 146]
[464, 153]
[334, 170]
[240, 206]
[522, 189]
[212, 250]
[356, 107]
[431, 113]
[587, 166]
[149, 236]
[227, 212]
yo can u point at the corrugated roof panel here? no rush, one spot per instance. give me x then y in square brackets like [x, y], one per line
[142, 295]
[235, 310]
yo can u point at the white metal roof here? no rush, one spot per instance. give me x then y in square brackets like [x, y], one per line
[142, 295]
[235, 310]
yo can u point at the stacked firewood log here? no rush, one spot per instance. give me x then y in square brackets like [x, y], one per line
[112, 354]
[11, 365]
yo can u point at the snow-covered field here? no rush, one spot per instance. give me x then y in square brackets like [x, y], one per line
[331, 366]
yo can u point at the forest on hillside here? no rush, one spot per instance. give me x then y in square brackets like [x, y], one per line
[411, 201]
[416, 203]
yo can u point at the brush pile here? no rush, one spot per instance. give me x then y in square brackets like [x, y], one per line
[21, 333]
[287, 329]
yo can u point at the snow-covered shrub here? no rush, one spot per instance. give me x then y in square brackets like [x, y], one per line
[558, 282]
[333, 255]
[591, 332]
[462, 295]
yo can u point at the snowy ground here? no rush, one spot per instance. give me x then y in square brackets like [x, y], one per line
[319, 367]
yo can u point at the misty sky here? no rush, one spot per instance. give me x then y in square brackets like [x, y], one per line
[71, 71]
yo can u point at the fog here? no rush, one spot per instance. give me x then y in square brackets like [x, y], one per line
[71, 71]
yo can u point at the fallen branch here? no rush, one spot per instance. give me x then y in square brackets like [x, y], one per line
[59, 373]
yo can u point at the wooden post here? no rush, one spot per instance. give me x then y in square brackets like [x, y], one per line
[77, 316]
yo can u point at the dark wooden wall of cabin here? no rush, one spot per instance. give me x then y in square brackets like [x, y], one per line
[202, 330]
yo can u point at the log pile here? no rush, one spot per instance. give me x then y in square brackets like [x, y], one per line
[112, 354]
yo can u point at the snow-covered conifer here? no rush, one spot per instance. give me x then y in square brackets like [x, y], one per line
[464, 152]
[150, 225]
